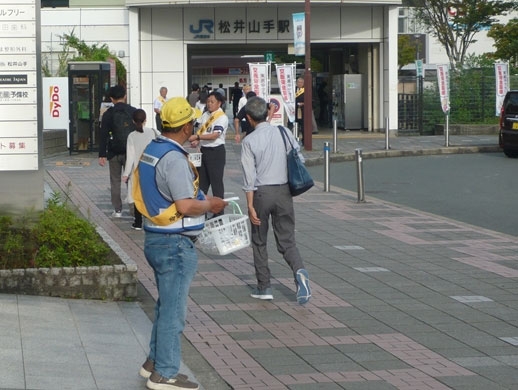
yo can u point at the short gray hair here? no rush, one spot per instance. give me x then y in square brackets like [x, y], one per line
[257, 109]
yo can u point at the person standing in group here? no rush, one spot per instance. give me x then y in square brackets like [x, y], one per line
[264, 163]
[299, 107]
[137, 142]
[157, 106]
[223, 93]
[202, 101]
[194, 96]
[116, 125]
[242, 101]
[211, 138]
[221, 90]
[166, 191]
[241, 121]
[235, 95]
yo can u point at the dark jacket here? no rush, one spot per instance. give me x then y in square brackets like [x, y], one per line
[107, 126]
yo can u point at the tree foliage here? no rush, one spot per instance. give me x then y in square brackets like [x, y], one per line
[406, 51]
[456, 22]
[506, 41]
[75, 49]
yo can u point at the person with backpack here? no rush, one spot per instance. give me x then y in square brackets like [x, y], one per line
[117, 123]
[137, 142]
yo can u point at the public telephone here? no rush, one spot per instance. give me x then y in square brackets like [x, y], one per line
[88, 85]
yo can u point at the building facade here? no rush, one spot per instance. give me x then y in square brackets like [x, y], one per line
[173, 44]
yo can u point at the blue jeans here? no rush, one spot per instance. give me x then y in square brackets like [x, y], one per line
[174, 261]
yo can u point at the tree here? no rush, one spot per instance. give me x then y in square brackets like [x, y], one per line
[506, 41]
[84, 53]
[406, 51]
[456, 22]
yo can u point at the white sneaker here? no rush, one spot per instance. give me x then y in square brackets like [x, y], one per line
[117, 214]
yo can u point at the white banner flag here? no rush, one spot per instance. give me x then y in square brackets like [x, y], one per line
[286, 80]
[502, 84]
[299, 33]
[443, 78]
[55, 103]
[260, 80]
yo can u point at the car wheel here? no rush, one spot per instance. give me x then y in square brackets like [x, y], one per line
[510, 153]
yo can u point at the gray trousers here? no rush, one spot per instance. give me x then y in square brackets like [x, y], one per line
[274, 202]
[116, 164]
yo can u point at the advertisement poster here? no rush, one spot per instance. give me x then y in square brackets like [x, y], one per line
[502, 84]
[286, 80]
[260, 79]
[55, 103]
[278, 114]
[299, 33]
[443, 78]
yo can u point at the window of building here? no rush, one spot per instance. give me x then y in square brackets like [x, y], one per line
[54, 3]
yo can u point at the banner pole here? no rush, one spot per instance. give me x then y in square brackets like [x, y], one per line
[447, 131]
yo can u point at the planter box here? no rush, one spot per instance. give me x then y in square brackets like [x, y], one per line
[115, 282]
[106, 282]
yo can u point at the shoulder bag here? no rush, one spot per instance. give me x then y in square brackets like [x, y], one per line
[299, 178]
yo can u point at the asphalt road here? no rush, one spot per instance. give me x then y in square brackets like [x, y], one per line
[479, 189]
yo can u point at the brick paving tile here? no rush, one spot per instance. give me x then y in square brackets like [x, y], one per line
[426, 260]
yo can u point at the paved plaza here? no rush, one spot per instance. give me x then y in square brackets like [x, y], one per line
[402, 299]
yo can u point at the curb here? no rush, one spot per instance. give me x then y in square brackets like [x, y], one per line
[341, 157]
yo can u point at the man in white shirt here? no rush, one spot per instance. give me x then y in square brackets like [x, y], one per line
[264, 163]
[157, 106]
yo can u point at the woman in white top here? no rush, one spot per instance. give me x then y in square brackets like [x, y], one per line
[210, 135]
[202, 101]
[137, 142]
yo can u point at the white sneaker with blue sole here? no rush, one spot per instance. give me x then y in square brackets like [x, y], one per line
[303, 290]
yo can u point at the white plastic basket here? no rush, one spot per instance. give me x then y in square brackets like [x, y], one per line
[195, 158]
[225, 234]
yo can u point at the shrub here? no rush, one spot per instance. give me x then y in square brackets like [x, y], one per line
[59, 238]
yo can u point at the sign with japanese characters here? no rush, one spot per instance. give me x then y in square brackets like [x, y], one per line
[18, 86]
[260, 79]
[286, 80]
[443, 79]
[236, 24]
[299, 33]
[502, 84]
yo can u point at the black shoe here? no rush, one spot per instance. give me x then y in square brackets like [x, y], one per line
[135, 226]
[149, 366]
[158, 382]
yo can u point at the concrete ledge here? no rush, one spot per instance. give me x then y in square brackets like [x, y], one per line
[340, 157]
[54, 142]
[467, 129]
[114, 282]
[105, 282]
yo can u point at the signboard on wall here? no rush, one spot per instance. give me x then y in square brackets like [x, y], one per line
[235, 23]
[18, 86]
[55, 103]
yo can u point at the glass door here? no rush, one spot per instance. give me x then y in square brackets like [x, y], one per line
[80, 113]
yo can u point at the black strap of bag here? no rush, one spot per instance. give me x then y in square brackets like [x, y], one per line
[299, 178]
[284, 136]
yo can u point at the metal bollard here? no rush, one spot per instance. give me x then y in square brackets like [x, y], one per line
[296, 131]
[387, 126]
[447, 131]
[359, 174]
[335, 138]
[326, 167]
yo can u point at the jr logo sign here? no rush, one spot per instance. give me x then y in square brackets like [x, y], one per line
[204, 29]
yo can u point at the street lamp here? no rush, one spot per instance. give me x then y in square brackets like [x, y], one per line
[417, 42]
[308, 81]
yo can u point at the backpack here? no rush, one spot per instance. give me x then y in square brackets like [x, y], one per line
[122, 126]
